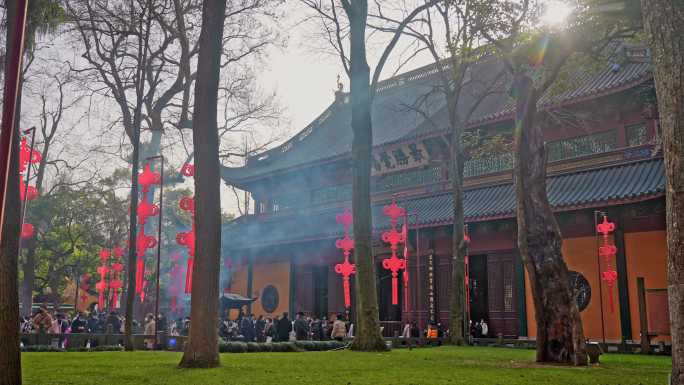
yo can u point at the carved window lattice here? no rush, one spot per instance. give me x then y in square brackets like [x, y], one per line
[581, 146]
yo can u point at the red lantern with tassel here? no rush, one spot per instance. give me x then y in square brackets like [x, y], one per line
[394, 238]
[146, 210]
[607, 251]
[346, 244]
[147, 178]
[26, 156]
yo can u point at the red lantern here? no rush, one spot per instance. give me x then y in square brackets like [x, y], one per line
[144, 242]
[188, 170]
[394, 238]
[346, 244]
[27, 231]
[102, 286]
[148, 177]
[607, 251]
[146, 210]
[104, 255]
[187, 239]
[187, 204]
[26, 156]
[29, 192]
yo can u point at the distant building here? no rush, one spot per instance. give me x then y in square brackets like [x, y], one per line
[602, 155]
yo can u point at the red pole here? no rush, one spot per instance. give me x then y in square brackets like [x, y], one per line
[12, 76]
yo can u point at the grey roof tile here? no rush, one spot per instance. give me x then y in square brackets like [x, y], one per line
[631, 181]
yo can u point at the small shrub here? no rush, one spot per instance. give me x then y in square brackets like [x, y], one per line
[253, 347]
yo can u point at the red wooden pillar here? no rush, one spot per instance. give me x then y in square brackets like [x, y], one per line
[12, 77]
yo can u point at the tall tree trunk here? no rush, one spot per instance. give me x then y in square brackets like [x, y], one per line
[457, 289]
[559, 327]
[663, 22]
[9, 294]
[367, 334]
[29, 265]
[10, 358]
[202, 347]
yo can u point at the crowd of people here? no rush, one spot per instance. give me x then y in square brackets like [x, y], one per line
[246, 327]
[265, 329]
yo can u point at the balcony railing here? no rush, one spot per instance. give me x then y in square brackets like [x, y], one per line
[488, 165]
[581, 146]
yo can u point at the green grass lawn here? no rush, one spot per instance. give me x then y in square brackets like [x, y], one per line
[445, 365]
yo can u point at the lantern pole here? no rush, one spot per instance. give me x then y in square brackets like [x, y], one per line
[159, 232]
[598, 269]
[24, 203]
[9, 107]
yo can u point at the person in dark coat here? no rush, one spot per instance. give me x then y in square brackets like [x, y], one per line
[92, 323]
[79, 324]
[301, 327]
[247, 328]
[260, 327]
[316, 329]
[115, 323]
[284, 328]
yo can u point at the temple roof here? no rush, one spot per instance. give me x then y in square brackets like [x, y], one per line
[616, 184]
[397, 118]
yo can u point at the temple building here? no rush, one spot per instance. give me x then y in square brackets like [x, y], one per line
[604, 159]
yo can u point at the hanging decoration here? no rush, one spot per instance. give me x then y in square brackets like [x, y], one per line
[143, 242]
[115, 283]
[394, 238]
[147, 178]
[27, 156]
[346, 244]
[27, 192]
[187, 238]
[27, 231]
[101, 286]
[607, 251]
[146, 210]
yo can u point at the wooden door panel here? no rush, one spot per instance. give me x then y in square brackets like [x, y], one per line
[501, 292]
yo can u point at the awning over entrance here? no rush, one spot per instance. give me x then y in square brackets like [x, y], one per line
[234, 301]
[617, 184]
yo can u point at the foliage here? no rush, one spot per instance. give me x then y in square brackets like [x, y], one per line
[445, 365]
[72, 224]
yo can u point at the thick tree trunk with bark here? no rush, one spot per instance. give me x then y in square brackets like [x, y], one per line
[559, 327]
[663, 22]
[367, 334]
[457, 304]
[10, 362]
[202, 347]
[10, 359]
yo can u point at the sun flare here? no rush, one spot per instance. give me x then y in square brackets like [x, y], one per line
[555, 13]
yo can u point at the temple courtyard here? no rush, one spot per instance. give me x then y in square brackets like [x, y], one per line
[443, 365]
